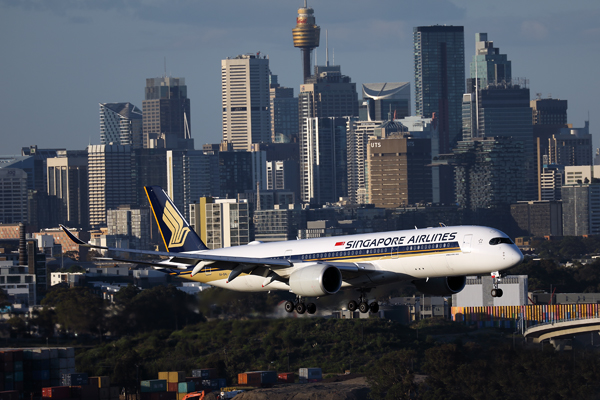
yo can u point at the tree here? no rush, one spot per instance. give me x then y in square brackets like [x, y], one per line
[392, 377]
[77, 310]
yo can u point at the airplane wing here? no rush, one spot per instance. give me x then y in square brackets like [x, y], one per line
[187, 258]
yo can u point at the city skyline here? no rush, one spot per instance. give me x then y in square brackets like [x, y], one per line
[83, 53]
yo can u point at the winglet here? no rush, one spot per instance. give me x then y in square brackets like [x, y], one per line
[78, 241]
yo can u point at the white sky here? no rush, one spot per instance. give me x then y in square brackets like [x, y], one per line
[60, 58]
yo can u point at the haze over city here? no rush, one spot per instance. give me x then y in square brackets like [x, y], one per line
[61, 59]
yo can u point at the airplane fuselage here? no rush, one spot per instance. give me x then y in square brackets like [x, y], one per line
[387, 256]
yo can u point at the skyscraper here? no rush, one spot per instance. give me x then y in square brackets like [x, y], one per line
[110, 180]
[330, 96]
[121, 123]
[68, 180]
[246, 100]
[284, 113]
[488, 65]
[440, 79]
[166, 116]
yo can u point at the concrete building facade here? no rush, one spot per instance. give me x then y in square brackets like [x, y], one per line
[245, 98]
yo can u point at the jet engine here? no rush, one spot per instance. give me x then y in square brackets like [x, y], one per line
[444, 286]
[315, 280]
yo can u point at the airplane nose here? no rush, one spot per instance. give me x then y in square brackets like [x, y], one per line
[517, 255]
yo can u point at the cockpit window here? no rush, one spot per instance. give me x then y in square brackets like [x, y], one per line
[499, 240]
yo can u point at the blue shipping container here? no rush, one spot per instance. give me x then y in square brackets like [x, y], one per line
[186, 387]
[153, 386]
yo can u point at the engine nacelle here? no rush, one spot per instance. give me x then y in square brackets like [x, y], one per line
[315, 280]
[444, 286]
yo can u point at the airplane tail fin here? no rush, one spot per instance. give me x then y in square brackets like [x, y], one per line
[175, 230]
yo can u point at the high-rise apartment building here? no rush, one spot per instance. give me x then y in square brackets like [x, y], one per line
[121, 123]
[166, 114]
[111, 183]
[439, 53]
[246, 100]
[386, 101]
[133, 224]
[68, 181]
[220, 222]
[489, 172]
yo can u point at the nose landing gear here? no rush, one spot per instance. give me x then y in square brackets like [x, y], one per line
[496, 278]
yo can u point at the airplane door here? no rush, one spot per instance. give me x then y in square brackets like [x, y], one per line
[466, 244]
[288, 254]
[395, 251]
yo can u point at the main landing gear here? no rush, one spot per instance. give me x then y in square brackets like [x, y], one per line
[363, 306]
[299, 306]
[496, 278]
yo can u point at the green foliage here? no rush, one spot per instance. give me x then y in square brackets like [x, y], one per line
[162, 307]
[77, 310]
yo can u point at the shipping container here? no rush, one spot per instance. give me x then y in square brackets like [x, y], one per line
[153, 386]
[186, 387]
[310, 373]
[104, 393]
[258, 378]
[9, 395]
[172, 386]
[100, 381]
[176, 376]
[57, 392]
[80, 379]
[89, 392]
[286, 377]
[206, 373]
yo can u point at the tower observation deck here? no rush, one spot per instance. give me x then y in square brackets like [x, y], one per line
[306, 36]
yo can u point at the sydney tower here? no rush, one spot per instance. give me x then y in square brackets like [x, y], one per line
[306, 36]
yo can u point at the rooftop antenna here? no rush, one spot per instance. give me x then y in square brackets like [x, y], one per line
[326, 48]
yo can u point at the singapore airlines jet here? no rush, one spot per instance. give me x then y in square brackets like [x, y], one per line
[436, 260]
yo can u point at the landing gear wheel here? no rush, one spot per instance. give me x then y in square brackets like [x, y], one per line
[300, 308]
[494, 293]
[352, 305]
[363, 307]
[311, 308]
[499, 293]
[289, 306]
[374, 307]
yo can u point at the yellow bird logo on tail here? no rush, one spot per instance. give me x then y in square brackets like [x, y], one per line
[175, 223]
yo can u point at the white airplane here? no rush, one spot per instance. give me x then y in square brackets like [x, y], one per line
[436, 260]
